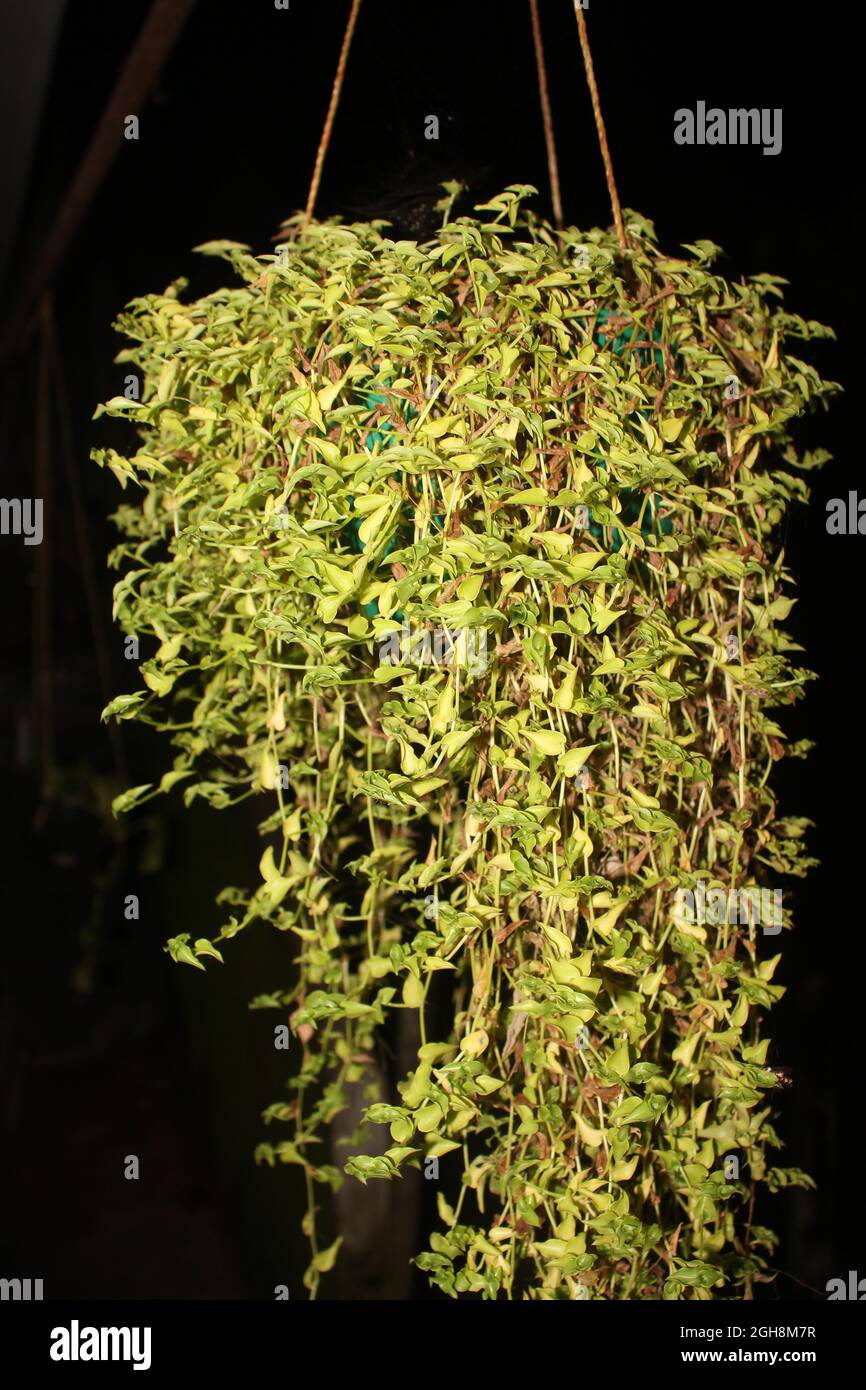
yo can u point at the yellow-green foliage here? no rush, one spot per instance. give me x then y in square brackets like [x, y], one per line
[366, 433]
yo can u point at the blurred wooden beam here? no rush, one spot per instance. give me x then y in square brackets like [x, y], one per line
[140, 73]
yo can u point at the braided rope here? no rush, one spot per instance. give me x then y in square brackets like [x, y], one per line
[599, 124]
[332, 111]
[546, 116]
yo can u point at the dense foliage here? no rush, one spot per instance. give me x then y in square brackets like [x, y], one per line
[580, 460]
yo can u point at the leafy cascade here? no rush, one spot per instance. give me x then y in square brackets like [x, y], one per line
[367, 434]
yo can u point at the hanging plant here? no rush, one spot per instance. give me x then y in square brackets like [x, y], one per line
[568, 465]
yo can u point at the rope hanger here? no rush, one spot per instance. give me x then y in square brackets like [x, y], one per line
[332, 111]
[599, 125]
[546, 115]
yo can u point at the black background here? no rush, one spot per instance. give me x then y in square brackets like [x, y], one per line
[106, 1048]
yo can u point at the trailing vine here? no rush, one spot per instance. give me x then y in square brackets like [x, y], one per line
[576, 461]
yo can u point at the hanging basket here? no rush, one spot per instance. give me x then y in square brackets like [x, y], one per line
[509, 847]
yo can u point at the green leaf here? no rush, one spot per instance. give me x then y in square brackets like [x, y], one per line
[550, 742]
[131, 798]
